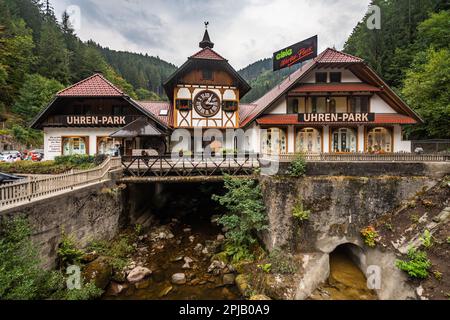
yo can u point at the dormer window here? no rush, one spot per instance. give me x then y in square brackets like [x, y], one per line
[321, 77]
[335, 77]
[207, 75]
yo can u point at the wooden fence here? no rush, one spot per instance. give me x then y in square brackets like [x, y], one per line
[25, 190]
[367, 157]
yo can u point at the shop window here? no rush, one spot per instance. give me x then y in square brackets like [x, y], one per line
[108, 146]
[75, 146]
[331, 105]
[321, 77]
[274, 141]
[344, 140]
[319, 105]
[293, 106]
[379, 140]
[308, 140]
[335, 77]
[359, 104]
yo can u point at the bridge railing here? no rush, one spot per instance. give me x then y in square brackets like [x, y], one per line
[25, 190]
[190, 165]
[367, 157]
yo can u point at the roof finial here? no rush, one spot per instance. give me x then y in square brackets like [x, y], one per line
[206, 42]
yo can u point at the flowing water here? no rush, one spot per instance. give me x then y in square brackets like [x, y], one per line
[346, 281]
[166, 259]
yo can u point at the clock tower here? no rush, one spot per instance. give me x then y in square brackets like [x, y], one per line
[205, 91]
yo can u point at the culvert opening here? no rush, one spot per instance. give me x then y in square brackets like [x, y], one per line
[346, 280]
[180, 239]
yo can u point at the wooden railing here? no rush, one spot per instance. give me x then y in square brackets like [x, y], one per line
[368, 157]
[191, 165]
[26, 190]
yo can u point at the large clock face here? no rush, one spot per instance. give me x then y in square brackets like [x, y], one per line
[207, 103]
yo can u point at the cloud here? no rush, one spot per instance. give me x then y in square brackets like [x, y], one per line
[243, 31]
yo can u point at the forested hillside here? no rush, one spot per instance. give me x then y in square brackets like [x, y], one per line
[261, 78]
[40, 55]
[411, 52]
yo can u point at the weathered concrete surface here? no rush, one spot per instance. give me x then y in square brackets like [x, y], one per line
[340, 207]
[86, 214]
[435, 170]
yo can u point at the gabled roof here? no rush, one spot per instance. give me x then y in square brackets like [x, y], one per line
[333, 56]
[329, 58]
[207, 54]
[155, 107]
[206, 57]
[140, 127]
[94, 86]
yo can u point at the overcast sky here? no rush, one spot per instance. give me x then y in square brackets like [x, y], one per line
[243, 31]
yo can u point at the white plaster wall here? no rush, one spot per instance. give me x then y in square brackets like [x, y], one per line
[347, 75]
[291, 139]
[326, 139]
[360, 138]
[400, 145]
[378, 105]
[278, 108]
[184, 93]
[92, 133]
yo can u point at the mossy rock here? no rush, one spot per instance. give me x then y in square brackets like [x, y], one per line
[100, 271]
[221, 256]
[242, 283]
[241, 266]
[259, 297]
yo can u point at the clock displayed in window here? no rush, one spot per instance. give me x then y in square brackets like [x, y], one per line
[207, 103]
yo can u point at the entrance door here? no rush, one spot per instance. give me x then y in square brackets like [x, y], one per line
[344, 140]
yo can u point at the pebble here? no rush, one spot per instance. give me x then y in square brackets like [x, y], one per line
[187, 230]
[179, 278]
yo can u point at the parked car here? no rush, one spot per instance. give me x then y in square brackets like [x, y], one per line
[10, 156]
[36, 155]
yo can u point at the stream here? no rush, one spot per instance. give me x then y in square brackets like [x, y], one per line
[346, 281]
[167, 257]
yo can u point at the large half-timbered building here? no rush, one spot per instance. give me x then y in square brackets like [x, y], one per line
[335, 103]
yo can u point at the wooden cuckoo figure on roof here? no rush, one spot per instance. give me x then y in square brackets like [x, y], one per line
[206, 42]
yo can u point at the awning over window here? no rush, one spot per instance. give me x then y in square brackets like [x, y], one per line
[141, 127]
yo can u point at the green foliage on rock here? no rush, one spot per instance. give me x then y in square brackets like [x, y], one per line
[246, 211]
[22, 277]
[68, 253]
[297, 168]
[417, 265]
[299, 213]
[369, 235]
[282, 262]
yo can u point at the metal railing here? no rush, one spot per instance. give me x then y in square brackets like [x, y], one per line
[190, 165]
[26, 190]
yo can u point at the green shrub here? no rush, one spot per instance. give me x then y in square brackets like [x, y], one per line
[238, 253]
[30, 167]
[78, 161]
[427, 239]
[417, 265]
[297, 168]
[369, 235]
[282, 262]
[246, 211]
[68, 253]
[116, 251]
[87, 292]
[266, 268]
[300, 213]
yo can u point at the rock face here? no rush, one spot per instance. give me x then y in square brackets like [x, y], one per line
[99, 271]
[340, 207]
[138, 274]
[179, 278]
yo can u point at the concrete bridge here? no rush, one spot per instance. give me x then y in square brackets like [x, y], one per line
[204, 168]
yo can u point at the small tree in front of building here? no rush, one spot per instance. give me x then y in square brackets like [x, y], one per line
[245, 217]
